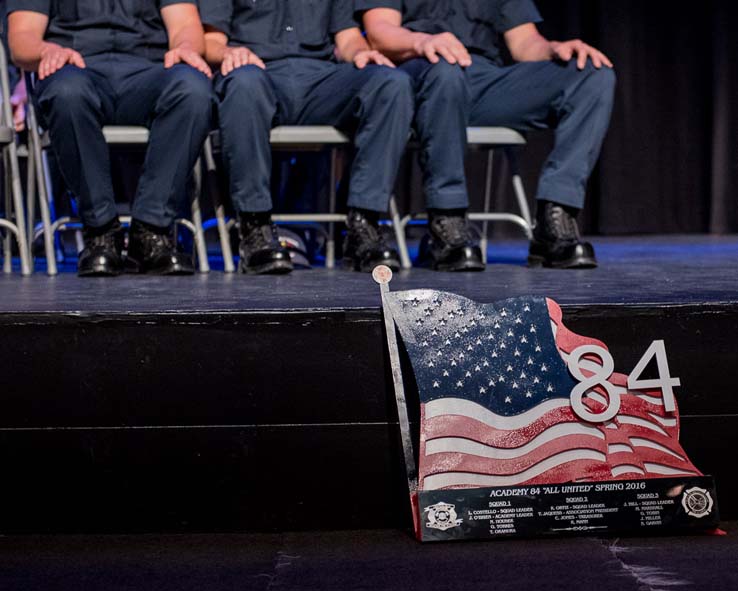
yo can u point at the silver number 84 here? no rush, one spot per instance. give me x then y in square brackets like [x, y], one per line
[599, 374]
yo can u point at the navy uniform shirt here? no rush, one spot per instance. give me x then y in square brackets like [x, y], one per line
[93, 27]
[477, 23]
[276, 29]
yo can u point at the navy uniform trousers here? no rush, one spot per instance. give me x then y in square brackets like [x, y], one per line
[117, 89]
[374, 104]
[525, 96]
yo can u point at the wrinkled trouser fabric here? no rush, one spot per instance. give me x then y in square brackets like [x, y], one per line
[525, 96]
[375, 105]
[176, 105]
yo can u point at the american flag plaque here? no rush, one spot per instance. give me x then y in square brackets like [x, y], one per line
[525, 428]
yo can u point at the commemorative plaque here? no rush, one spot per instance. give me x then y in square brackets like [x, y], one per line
[526, 429]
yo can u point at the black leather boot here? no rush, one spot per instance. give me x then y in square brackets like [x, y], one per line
[450, 246]
[102, 254]
[260, 250]
[153, 250]
[364, 247]
[556, 242]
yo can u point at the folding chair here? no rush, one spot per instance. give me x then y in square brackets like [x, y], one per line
[114, 135]
[13, 189]
[299, 138]
[489, 139]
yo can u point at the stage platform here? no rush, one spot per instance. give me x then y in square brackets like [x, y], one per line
[240, 403]
[634, 270]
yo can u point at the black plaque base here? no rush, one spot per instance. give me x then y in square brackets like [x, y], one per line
[646, 506]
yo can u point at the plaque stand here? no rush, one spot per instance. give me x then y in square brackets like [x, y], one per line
[649, 505]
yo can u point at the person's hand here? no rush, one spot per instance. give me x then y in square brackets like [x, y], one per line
[54, 57]
[445, 45]
[235, 57]
[185, 55]
[566, 50]
[371, 56]
[18, 101]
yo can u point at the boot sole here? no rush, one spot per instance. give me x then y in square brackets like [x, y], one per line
[352, 265]
[173, 270]
[536, 262]
[99, 271]
[275, 268]
[465, 266]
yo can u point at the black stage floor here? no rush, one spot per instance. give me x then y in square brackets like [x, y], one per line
[643, 270]
[372, 560]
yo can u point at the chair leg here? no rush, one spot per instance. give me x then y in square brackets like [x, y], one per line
[14, 211]
[7, 237]
[48, 205]
[224, 237]
[43, 192]
[200, 245]
[520, 195]
[30, 199]
[330, 245]
[489, 177]
[17, 191]
[79, 240]
[399, 229]
[220, 217]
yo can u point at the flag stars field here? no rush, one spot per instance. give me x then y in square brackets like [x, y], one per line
[466, 357]
[462, 358]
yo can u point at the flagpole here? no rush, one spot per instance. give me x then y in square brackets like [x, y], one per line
[383, 275]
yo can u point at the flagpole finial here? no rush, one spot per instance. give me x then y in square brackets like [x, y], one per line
[382, 274]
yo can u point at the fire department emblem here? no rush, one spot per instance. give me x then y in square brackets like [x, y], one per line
[442, 516]
[697, 502]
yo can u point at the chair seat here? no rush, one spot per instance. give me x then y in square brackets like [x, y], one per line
[501, 136]
[307, 135]
[126, 134]
[299, 138]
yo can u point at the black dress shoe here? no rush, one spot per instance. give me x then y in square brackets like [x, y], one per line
[364, 247]
[450, 246]
[153, 251]
[260, 250]
[101, 256]
[556, 242]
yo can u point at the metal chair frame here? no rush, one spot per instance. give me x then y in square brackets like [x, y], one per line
[300, 138]
[38, 175]
[14, 206]
[489, 139]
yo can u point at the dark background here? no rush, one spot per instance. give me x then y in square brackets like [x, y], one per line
[669, 164]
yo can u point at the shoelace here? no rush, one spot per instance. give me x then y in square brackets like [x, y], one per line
[106, 241]
[157, 243]
[452, 229]
[562, 225]
[259, 237]
[368, 233]
[369, 237]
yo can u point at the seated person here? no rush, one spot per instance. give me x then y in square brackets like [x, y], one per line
[304, 63]
[135, 64]
[451, 50]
